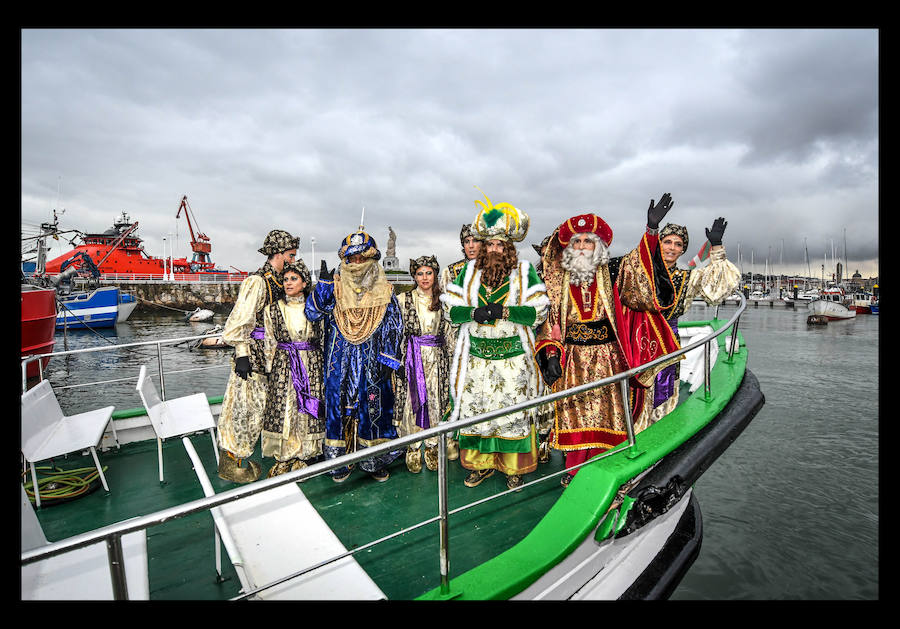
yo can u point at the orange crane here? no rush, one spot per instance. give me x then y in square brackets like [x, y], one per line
[200, 244]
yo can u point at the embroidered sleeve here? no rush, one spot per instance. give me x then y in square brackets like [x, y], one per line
[320, 301]
[242, 320]
[389, 335]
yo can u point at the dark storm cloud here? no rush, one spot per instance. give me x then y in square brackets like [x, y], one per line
[299, 129]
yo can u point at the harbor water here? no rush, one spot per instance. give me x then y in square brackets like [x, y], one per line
[790, 510]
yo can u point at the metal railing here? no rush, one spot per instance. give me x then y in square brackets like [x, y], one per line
[112, 534]
[177, 277]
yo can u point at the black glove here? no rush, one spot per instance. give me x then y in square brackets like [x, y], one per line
[551, 370]
[495, 311]
[324, 273]
[655, 213]
[714, 235]
[242, 366]
[481, 314]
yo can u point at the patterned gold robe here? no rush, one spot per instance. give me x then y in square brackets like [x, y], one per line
[240, 421]
[589, 336]
[418, 320]
[493, 366]
[287, 432]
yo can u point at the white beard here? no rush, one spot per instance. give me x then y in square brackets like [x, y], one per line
[582, 265]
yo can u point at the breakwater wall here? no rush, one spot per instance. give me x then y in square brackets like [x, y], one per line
[158, 295]
[216, 296]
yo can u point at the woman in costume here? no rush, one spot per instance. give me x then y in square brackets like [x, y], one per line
[713, 282]
[294, 418]
[421, 386]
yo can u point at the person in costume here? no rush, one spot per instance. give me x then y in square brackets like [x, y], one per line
[420, 387]
[713, 282]
[240, 420]
[471, 245]
[545, 411]
[363, 330]
[604, 320]
[293, 425]
[496, 300]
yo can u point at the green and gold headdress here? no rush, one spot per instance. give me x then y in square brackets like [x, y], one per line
[500, 221]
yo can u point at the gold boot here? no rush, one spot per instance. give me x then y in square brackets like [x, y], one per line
[283, 467]
[544, 451]
[230, 469]
[413, 460]
[431, 458]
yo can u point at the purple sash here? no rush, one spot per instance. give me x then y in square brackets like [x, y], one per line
[305, 402]
[665, 379]
[258, 334]
[415, 375]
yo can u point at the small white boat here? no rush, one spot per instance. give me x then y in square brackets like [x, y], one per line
[200, 314]
[832, 304]
[213, 340]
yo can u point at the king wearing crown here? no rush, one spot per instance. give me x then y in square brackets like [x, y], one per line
[363, 330]
[604, 319]
[496, 300]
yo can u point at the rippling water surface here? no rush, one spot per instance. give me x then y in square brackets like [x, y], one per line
[790, 510]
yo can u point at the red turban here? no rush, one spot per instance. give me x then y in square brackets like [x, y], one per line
[585, 223]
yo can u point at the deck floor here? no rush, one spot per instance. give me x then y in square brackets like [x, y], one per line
[360, 510]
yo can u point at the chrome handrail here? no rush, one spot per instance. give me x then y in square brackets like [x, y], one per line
[113, 533]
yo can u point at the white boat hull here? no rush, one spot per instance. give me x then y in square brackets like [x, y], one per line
[830, 309]
[125, 310]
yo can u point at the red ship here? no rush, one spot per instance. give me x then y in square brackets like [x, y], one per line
[120, 250]
[38, 324]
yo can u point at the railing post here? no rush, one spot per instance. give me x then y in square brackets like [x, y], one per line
[629, 420]
[443, 510]
[117, 567]
[734, 339]
[162, 379]
[707, 348]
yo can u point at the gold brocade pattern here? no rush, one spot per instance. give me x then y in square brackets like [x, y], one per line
[240, 420]
[419, 320]
[288, 433]
[600, 412]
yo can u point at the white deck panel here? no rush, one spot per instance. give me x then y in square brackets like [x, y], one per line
[278, 532]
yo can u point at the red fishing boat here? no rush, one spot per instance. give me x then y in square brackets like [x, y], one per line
[120, 250]
[38, 324]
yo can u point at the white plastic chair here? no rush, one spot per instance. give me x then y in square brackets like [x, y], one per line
[173, 418]
[47, 433]
[81, 574]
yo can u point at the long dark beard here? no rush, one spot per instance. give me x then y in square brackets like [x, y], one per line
[496, 267]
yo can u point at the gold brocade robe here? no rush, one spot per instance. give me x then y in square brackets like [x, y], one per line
[240, 420]
[420, 320]
[596, 418]
[288, 433]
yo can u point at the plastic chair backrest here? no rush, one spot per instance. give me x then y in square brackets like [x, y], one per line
[40, 412]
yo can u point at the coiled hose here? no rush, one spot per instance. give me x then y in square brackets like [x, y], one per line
[57, 485]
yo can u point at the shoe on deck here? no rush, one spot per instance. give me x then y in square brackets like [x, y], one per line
[381, 475]
[475, 478]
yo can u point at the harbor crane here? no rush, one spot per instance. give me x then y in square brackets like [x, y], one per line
[200, 244]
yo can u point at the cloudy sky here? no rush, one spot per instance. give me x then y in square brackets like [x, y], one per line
[775, 130]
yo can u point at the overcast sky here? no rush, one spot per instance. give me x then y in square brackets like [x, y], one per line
[775, 130]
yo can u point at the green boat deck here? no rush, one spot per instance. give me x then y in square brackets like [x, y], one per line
[360, 510]
[182, 551]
